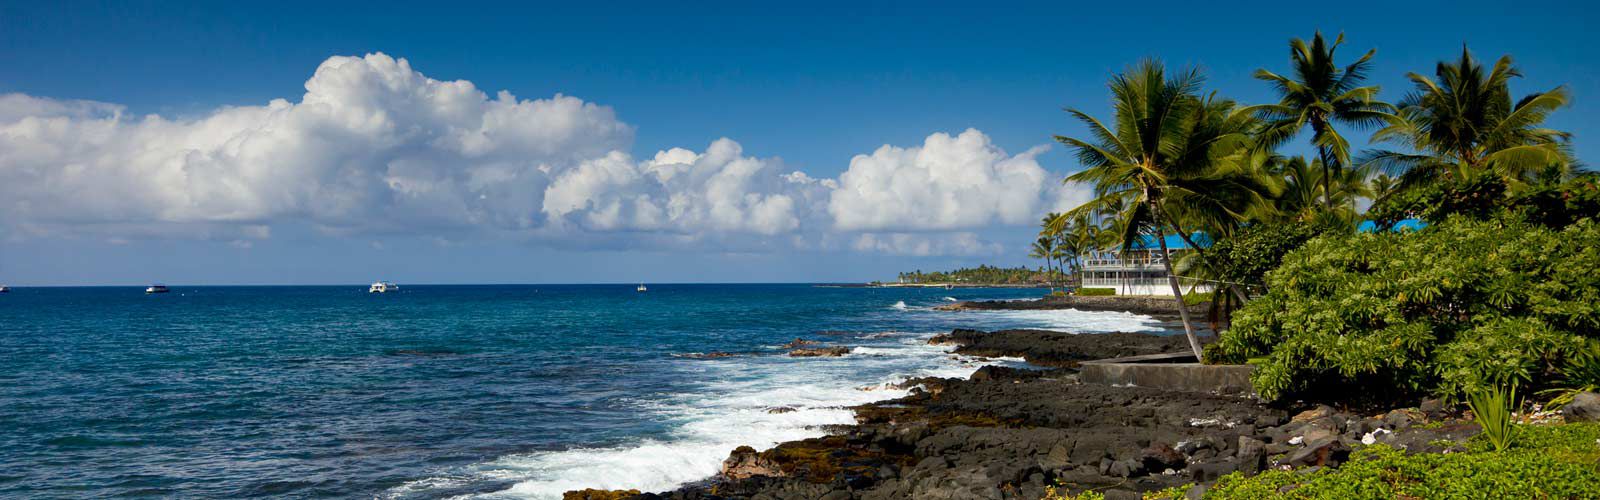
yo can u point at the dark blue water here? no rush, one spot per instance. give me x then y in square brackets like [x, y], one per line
[499, 391]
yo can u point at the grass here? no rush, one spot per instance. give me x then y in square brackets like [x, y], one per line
[1546, 461]
[1096, 292]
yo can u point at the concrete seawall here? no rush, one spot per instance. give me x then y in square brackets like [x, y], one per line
[1175, 372]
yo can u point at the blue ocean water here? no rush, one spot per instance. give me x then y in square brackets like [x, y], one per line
[443, 391]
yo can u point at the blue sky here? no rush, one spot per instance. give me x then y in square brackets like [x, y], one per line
[798, 87]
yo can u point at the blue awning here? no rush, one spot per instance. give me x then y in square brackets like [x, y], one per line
[1408, 224]
[1174, 242]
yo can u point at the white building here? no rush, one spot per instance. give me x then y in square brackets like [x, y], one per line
[1139, 270]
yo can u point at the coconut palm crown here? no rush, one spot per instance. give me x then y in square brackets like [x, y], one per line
[1319, 95]
[1465, 123]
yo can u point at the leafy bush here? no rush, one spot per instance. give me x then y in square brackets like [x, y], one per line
[1453, 307]
[1247, 256]
[1547, 462]
[1096, 292]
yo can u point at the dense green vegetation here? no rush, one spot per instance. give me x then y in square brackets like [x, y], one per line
[980, 275]
[1497, 288]
[1547, 462]
[1460, 305]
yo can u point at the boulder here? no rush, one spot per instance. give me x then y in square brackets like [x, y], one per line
[1160, 456]
[745, 462]
[825, 352]
[1434, 408]
[1320, 412]
[1583, 408]
[1325, 451]
[1251, 453]
[798, 343]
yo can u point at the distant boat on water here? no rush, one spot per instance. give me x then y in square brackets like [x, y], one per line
[383, 287]
[642, 288]
[5, 289]
[156, 289]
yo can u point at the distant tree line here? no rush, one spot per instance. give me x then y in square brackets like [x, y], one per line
[983, 274]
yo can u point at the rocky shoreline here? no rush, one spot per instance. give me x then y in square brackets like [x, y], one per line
[1009, 432]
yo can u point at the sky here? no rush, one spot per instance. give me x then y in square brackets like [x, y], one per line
[340, 143]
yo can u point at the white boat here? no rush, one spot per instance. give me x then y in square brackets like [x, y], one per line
[383, 287]
[156, 289]
[4, 289]
[642, 288]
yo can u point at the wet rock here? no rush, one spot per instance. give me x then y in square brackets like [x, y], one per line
[745, 462]
[826, 352]
[708, 355]
[798, 343]
[780, 409]
[593, 494]
[1057, 349]
[1585, 407]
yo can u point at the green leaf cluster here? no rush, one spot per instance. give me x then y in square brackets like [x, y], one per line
[1458, 306]
[1561, 461]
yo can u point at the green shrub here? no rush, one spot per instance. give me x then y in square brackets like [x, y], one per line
[1095, 292]
[1493, 409]
[1546, 462]
[1448, 309]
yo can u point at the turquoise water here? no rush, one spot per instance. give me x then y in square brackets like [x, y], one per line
[439, 391]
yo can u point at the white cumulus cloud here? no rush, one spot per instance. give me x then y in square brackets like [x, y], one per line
[375, 147]
[949, 182]
[684, 192]
[372, 146]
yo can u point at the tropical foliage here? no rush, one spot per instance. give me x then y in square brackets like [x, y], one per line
[1170, 157]
[1462, 305]
[1545, 462]
[1319, 95]
[1467, 123]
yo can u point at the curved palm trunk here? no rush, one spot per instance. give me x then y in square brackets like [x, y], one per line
[1198, 251]
[1177, 291]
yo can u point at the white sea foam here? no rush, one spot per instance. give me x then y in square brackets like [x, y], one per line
[731, 408]
[1071, 320]
[730, 411]
[901, 305]
[950, 299]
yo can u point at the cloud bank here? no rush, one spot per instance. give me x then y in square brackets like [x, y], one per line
[375, 147]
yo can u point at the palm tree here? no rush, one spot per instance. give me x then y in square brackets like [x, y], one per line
[1320, 95]
[1044, 248]
[1466, 124]
[1168, 145]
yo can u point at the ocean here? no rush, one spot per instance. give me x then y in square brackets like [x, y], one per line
[519, 391]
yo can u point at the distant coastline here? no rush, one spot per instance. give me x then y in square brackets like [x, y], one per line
[931, 285]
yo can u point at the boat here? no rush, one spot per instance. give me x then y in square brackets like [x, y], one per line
[642, 288]
[156, 289]
[5, 289]
[383, 287]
